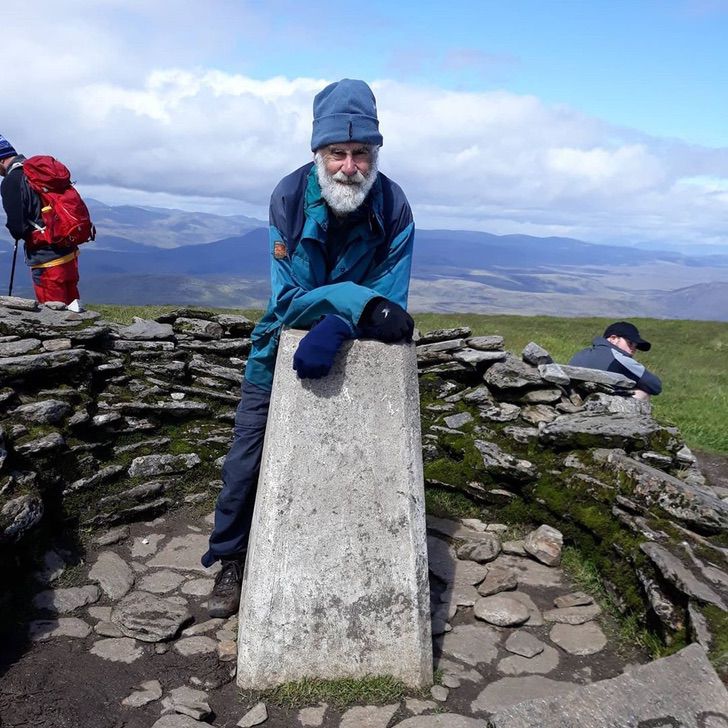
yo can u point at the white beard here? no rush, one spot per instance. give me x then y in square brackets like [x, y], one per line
[345, 194]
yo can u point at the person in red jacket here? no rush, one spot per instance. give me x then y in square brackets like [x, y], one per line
[54, 268]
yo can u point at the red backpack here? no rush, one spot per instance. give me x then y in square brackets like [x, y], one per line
[66, 219]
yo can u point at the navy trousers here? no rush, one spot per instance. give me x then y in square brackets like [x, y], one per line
[234, 509]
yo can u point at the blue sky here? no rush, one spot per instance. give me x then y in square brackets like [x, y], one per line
[600, 120]
[661, 67]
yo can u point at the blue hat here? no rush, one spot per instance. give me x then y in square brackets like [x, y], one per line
[345, 111]
[6, 148]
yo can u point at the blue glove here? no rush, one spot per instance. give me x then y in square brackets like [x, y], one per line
[385, 321]
[316, 351]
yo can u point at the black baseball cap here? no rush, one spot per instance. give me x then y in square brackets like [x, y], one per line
[628, 331]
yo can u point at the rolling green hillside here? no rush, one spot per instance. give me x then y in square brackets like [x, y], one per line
[691, 357]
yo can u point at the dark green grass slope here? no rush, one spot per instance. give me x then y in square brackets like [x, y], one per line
[691, 357]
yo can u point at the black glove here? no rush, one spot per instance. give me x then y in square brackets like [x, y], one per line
[385, 321]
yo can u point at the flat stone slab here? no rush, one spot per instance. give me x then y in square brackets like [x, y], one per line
[513, 690]
[573, 615]
[501, 610]
[147, 466]
[583, 374]
[312, 717]
[482, 551]
[121, 649]
[417, 706]
[67, 600]
[528, 571]
[535, 618]
[681, 690]
[175, 720]
[543, 663]
[471, 643]
[680, 576]
[150, 690]
[44, 629]
[497, 580]
[187, 701]
[161, 581]
[588, 429]
[113, 575]
[524, 644]
[146, 546]
[196, 645]
[574, 599]
[198, 587]
[368, 716]
[336, 580]
[578, 639]
[255, 716]
[444, 720]
[149, 618]
[183, 553]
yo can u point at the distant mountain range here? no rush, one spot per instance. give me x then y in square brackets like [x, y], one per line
[146, 255]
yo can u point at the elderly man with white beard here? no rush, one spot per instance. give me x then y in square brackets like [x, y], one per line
[341, 236]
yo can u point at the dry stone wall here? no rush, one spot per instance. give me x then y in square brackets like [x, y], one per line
[102, 424]
[536, 442]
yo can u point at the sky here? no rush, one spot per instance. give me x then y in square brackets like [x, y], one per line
[596, 119]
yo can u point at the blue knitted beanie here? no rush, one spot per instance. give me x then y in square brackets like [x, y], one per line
[6, 148]
[345, 111]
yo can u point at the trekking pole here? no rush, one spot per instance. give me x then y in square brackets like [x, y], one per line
[12, 270]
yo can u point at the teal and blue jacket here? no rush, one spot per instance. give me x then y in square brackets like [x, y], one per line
[321, 265]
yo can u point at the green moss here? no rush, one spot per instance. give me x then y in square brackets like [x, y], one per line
[450, 504]
[718, 625]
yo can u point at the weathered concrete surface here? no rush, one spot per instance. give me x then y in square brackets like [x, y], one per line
[336, 582]
[656, 694]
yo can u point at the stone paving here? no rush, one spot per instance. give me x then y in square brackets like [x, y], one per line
[506, 626]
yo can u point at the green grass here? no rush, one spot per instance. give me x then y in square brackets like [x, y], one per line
[450, 504]
[626, 628]
[370, 690]
[689, 356]
[125, 314]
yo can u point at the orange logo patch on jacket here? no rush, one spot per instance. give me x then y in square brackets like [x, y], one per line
[280, 250]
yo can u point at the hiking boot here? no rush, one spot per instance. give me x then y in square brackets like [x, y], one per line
[225, 598]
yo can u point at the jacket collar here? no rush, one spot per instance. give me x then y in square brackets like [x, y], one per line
[601, 341]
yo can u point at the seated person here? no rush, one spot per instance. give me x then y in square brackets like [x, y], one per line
[614, 352]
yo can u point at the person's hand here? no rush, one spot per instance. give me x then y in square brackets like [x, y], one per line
[386, 321]
[316, 351]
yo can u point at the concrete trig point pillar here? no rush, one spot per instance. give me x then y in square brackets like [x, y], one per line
[336, 579]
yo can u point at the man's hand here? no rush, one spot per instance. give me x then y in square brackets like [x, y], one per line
[316, 351]
[386, 321]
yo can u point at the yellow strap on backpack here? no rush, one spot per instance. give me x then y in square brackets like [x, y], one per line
[57, 261]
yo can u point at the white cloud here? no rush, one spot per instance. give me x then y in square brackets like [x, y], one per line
[129, 114]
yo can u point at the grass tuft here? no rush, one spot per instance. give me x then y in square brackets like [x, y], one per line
[630, 630]
[369, 690]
